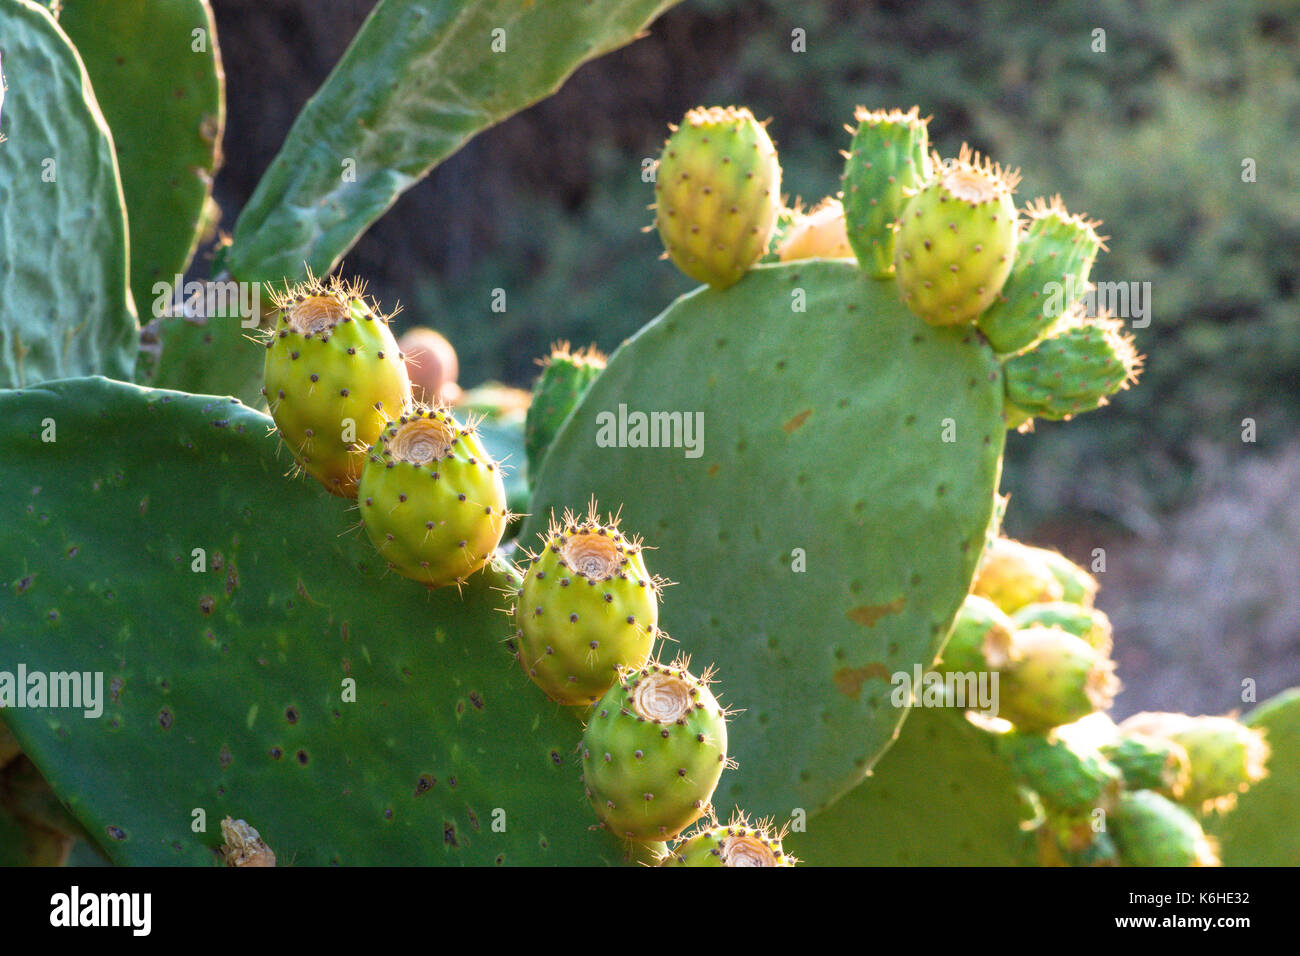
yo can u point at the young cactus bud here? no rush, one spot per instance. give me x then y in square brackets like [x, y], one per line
[334, 377]
[565, 378]
[1151, 830]
[653, 751]
[1086, 622]
[736, 844]
[1224, 756]
[587, 609]
[1055, 254]
[1050, 678]
[981, 631]
[1150, 763]
[432, 499]
[1065, 777]
[1076, 370]
[1012, 576]
[717, 194]
[889, 155]
[956, 240]
[818, 234]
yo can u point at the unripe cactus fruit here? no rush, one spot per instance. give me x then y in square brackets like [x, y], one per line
[817, 234]
[1077, 585]
[653, 751]
[334, 377]
[1151, 830]
[587, 609]
[736, 844]
[1054, 256]
[1012, 576]
[1050, 678]
[889, 155]
[956, 239]
[1224, 756]
[432, 366]
[1086, 622]
[1150, 763]
[980, 631]
[1065, 777]
[717, 194]
[432, 499]
[1076, 370]
[566, 376]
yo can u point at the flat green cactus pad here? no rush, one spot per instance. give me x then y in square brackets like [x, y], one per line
[1264, 827]
[157, 72]
[225, 689]
[824, 532]
[65, 308]
[940, 797]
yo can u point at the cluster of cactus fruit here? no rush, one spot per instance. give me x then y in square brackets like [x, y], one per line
[922, 271]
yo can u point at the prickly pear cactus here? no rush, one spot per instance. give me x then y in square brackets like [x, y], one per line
[889, 155]
[1050, 677]
[157, 72]
[257, 659]
[852, 573]
[737, 844]
[65, 305]
[1076, 370]
[1152, 830]
[566, 376]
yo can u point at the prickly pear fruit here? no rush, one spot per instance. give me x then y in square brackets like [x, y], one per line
[1065, 777]
[1150, 763]
[889, 155]
[1076, 370]
[432, 498]
[1054, 256]
[334, 377]
[432, 366]
[653, 751]
[566, 376]
[817, 234]
[717, 194]
[956, 239]
[1012, 576]
[737, 844]
[587, 608]
[1077, 844]
[980, 628]
[1224, 756]
[1086, 622]
[1151, 830]
[1078, 586]
[1049, 678]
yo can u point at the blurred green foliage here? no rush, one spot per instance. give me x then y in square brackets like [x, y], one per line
[1149, 134]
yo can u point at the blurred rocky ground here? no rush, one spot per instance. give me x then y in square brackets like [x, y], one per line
[1152, 133]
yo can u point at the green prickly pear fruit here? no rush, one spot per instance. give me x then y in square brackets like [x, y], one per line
[653, 751]
[717, 194]
[1076, 370]
[1224, 756]
[1049, 678]
[1077, 585]
[587, 609]
[566, 376]
[817, 234]
[736, 844]
[956, 239]
[432, 499]
[1012, 576]
[432, 365]
[1086, 622]
[1054, 256]
[1150, 763]
[1065, 777]
[1151, 830]
[334, 378]
[889, 155]
[981, 630]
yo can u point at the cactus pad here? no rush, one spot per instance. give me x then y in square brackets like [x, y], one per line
[1076, 370]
